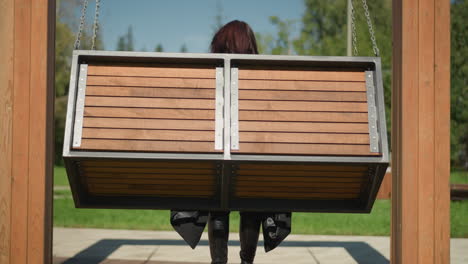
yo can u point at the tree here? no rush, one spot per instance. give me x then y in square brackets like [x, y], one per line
[159, 48]
[183, 48]
[459, 84]
[219, 17]
[323, 28]
[279, 44]
[125, 42]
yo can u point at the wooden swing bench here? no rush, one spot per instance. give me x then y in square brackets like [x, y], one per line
[225, 132]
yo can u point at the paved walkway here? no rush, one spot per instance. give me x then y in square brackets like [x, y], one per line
[92, 246]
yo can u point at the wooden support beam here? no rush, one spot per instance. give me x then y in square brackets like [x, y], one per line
[420, 132]
[26, 127]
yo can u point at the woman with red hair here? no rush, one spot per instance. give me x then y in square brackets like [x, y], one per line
[234, 37]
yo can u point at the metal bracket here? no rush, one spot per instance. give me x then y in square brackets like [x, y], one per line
[80, 103]
[219, 108]
[372, 112]
[234, 108]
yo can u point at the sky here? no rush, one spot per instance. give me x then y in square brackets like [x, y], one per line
[173, 23]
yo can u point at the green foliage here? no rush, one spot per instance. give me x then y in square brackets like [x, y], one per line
[64, 41]
[323, 28]
[159, 48]
[183, 48]
[219, 17]
[459, 84]
[281, 44]
[125, 42]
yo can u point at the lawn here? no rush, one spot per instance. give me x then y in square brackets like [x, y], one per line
[459, 177]
[376, 223]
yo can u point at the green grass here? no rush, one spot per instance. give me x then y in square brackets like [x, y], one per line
[459, 219]
[60, 176]
[459, 176]
[375, 223]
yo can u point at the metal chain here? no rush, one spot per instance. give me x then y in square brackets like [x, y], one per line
[353, 28]
[82, 22]
[371, 28]
[96, 24]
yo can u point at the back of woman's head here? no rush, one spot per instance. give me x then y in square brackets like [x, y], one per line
[234, 37]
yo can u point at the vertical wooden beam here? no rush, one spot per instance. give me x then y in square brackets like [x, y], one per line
[27, 28]
[420, 131]
[442, 132]
[6, 123]
[41, 120]
[20, 154]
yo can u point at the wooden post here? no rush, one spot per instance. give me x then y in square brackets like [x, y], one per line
[421, 132]
[26, 130]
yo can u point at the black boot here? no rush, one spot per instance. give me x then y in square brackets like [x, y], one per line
[248, 233]
[218, 234]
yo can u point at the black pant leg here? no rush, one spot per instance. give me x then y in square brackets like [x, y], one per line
[248, 232]
[218, 234]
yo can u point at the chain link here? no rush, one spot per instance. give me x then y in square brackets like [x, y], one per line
[96, 24]
[371, 28]
[353, 28]
[82, 22]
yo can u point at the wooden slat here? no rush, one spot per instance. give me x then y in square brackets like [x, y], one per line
[302, 173]
[264, 137]
[151, 71]
[173, 182]
[123, 91]
[147, 186]
[302, 85]
[150, 102]
[141, 145]
[303, 167]
[257, 126]
[302, 75]
[147, 164]
[127, 112]
[278, 189]
[272, 183]
[345, 180]
[153, 176]
[151, 82]
[303, 116]
[150, 170]
[303, 96]
[275, 195]
[103, 133]
[149, 123]
[302, 106]
[306, 149]
[173, 193]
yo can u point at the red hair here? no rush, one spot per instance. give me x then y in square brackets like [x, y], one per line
[234, 37]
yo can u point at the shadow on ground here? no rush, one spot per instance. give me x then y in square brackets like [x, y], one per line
[97, 253]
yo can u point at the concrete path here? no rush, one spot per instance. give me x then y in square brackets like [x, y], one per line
[92, 246]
